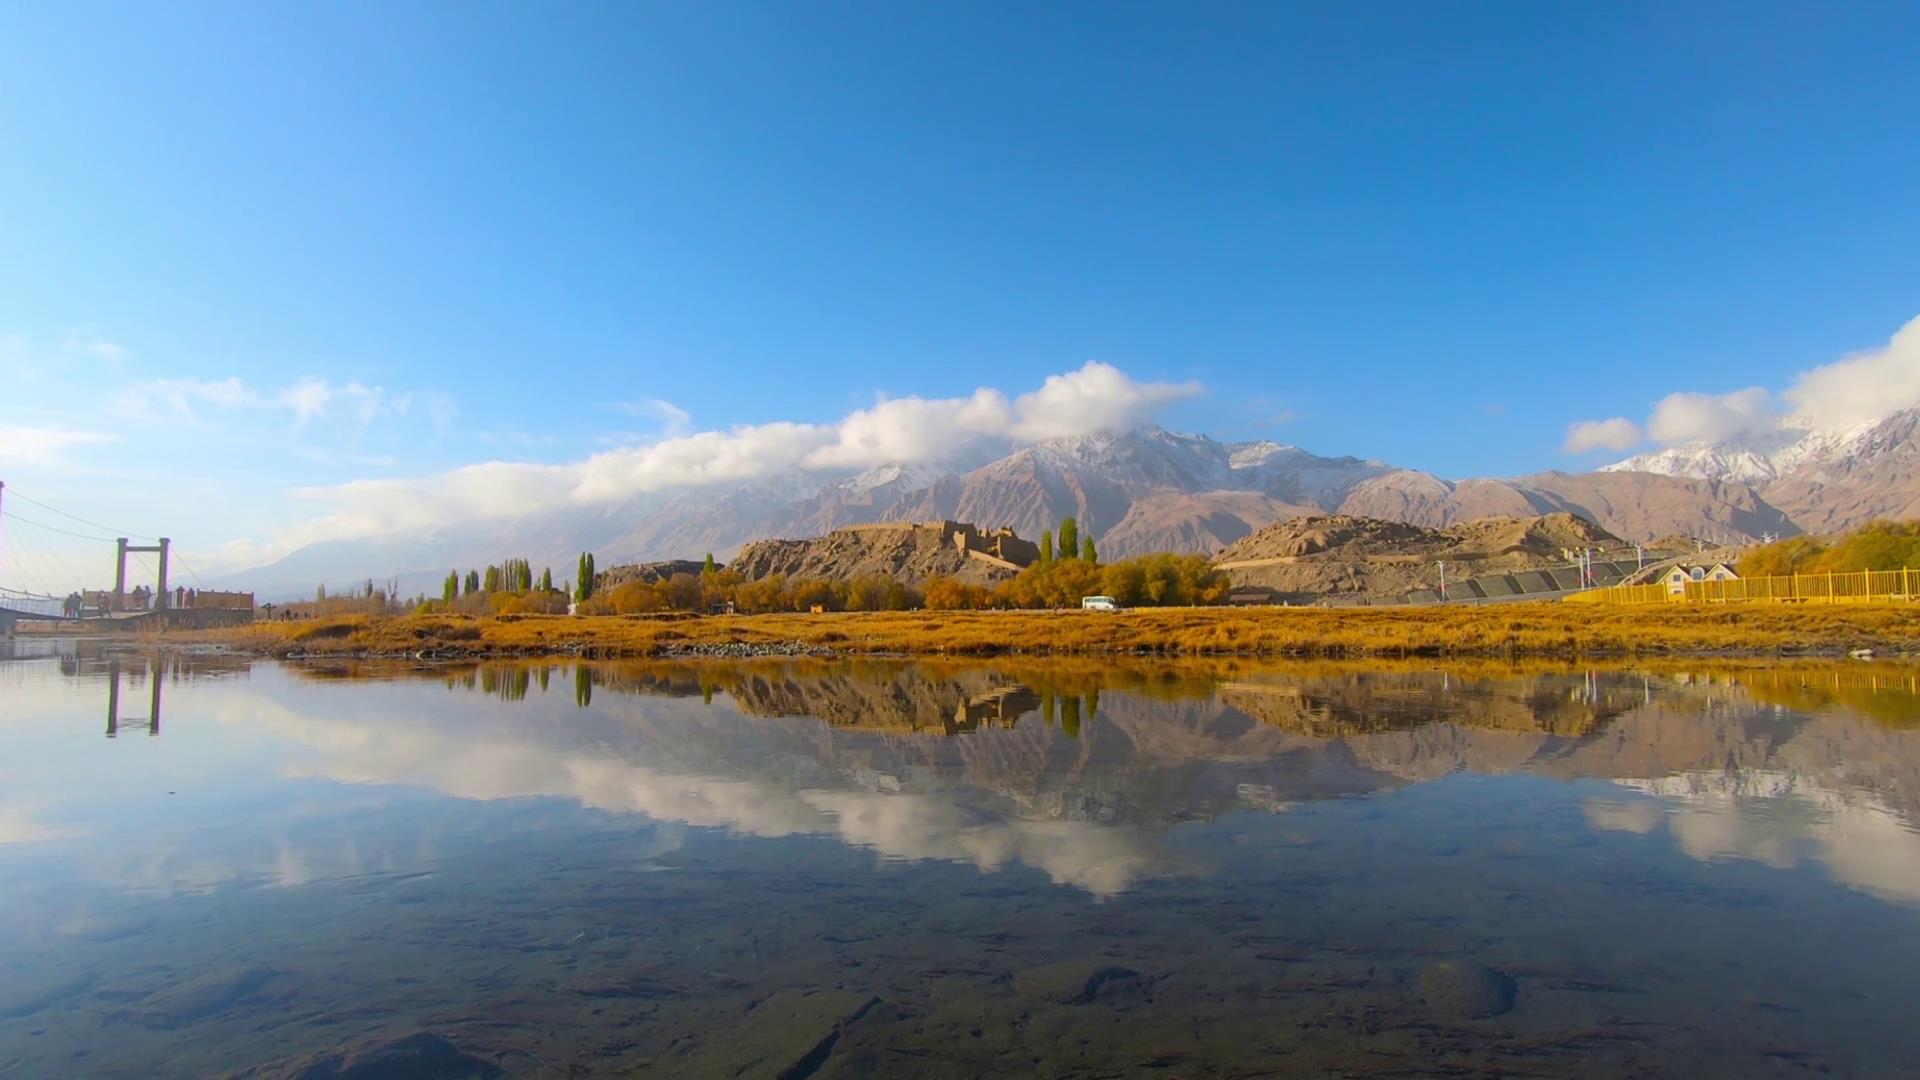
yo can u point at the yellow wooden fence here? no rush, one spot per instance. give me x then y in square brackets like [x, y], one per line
[1852, 587]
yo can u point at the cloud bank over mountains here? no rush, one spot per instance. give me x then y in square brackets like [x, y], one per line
[903, 431]
[1855, 390]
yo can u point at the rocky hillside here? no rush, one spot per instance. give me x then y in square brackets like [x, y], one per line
[908, 552]
[1342, 555]
[647, 572]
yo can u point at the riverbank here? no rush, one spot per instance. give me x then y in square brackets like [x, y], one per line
[1510, 630]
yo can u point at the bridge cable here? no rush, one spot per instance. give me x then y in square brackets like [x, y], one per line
[19, 547]
[117, 533]
[47, 574]
[191, 572]
[55, 528]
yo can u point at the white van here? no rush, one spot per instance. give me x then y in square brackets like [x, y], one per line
[1098, 603]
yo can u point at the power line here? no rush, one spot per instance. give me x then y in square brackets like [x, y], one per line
[13, 494]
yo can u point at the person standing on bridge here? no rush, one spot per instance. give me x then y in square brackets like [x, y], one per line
[70, 607]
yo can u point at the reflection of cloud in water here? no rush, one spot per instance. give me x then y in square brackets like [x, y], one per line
[20, 824]
[1776, 818]
[1100, 859]
[488, 763]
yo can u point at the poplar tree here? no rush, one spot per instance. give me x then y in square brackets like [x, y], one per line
[1087, 554]
[1046, 547]
[709, 569]
[473, 582]
[450, 588]
[546, 579]
[585, 577]
[1069, 537]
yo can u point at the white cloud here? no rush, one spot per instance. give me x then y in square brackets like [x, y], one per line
[908, 430]
[308, 399]
[1849, 392]
[1863, 387]
[1095, 398]
[1686, 417]
[180, 397]
[912, 430]
[1617, 433]
[98, 348]
[673, 419]
[42, 445]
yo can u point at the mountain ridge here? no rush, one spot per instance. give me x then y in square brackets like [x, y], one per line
[1144, 488]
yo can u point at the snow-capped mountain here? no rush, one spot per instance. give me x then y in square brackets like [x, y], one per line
[1762, 458]
[1147, 489]
[1824, 478]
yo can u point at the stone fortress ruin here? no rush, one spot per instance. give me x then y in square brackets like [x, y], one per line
[1001, 547]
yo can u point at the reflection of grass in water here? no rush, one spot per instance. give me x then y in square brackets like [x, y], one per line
[1890, 698]
[1513, 630]
[1319, 697]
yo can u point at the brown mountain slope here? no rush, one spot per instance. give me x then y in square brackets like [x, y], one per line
[1205, 522]
[1635, 506]
[909, 552]
[1879, 479]
[1313, 557]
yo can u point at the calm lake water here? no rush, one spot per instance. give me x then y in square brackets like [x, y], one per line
[790, 869]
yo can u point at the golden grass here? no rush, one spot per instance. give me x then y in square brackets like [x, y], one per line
[1508, 630]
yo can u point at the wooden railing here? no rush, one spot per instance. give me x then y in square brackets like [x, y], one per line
[1850, 587]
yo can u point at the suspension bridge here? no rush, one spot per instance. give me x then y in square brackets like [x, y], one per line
[40, 580]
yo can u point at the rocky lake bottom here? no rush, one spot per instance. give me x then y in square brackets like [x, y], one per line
[217, 866]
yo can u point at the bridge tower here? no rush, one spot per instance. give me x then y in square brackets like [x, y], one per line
[160, 596]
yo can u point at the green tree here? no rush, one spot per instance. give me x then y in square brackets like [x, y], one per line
[709, 568]
[473, 582]
[450, 588]
[1069, 537]
[1087, 554]
[1046, 547]
[491, 583]
[585, 589]
[546, 579]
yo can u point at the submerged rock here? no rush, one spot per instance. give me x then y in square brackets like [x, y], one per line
[420, 1056]
[210, 995]
[1077, 982]
[1464, 988]
[788, 1036]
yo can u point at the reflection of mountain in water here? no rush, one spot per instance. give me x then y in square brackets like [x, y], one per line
[1058, 772]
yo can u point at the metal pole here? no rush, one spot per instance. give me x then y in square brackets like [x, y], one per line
[161, 600]
[120, 574]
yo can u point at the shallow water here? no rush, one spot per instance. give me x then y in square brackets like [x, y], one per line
[881, 869]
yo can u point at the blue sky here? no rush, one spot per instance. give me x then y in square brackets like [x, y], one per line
[250, 248]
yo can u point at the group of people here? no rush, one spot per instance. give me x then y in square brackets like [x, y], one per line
[139, 599]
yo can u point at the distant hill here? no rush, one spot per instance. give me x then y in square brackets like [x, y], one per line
[1314, 558]
[908, 552]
